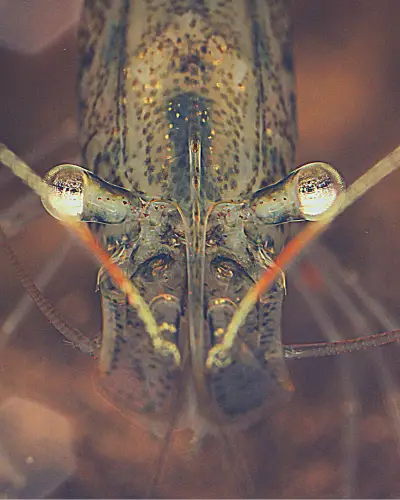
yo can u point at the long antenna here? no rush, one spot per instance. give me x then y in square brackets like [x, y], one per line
[319, 349]
[292, 251]
[34, 181]
[77, 339]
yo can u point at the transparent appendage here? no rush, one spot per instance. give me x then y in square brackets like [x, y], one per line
[81, 195]
[305, 194]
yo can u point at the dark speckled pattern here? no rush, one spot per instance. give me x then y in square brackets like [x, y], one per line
[230, 53]
[156, 75]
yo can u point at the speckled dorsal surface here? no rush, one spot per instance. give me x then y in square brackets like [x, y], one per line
[190, 103]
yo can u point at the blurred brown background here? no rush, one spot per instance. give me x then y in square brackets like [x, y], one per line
[348, 81]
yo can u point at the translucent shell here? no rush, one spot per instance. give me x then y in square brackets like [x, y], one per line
[81, 195]
[307, 193]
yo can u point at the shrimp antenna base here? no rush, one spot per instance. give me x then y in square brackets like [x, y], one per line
[319, 349]
[298, 244]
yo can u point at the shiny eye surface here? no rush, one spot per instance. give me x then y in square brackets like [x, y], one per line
[78, 193]
[318, 186]
[67, 195]
[307, 193]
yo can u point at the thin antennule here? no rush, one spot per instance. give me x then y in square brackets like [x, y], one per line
[21, 170]
[27, 175]
[293, 249]
[319, 349]
[83, 343]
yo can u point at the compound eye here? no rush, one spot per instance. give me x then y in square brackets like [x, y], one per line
[307, 193]
[66, 198]
[79, 194]
[318, 186]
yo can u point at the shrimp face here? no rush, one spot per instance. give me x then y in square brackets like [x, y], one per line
[190, 108]
[194, 167]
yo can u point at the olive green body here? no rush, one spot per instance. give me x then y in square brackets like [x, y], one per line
[190, 105]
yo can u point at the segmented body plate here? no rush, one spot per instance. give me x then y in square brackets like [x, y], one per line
[163, 85]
